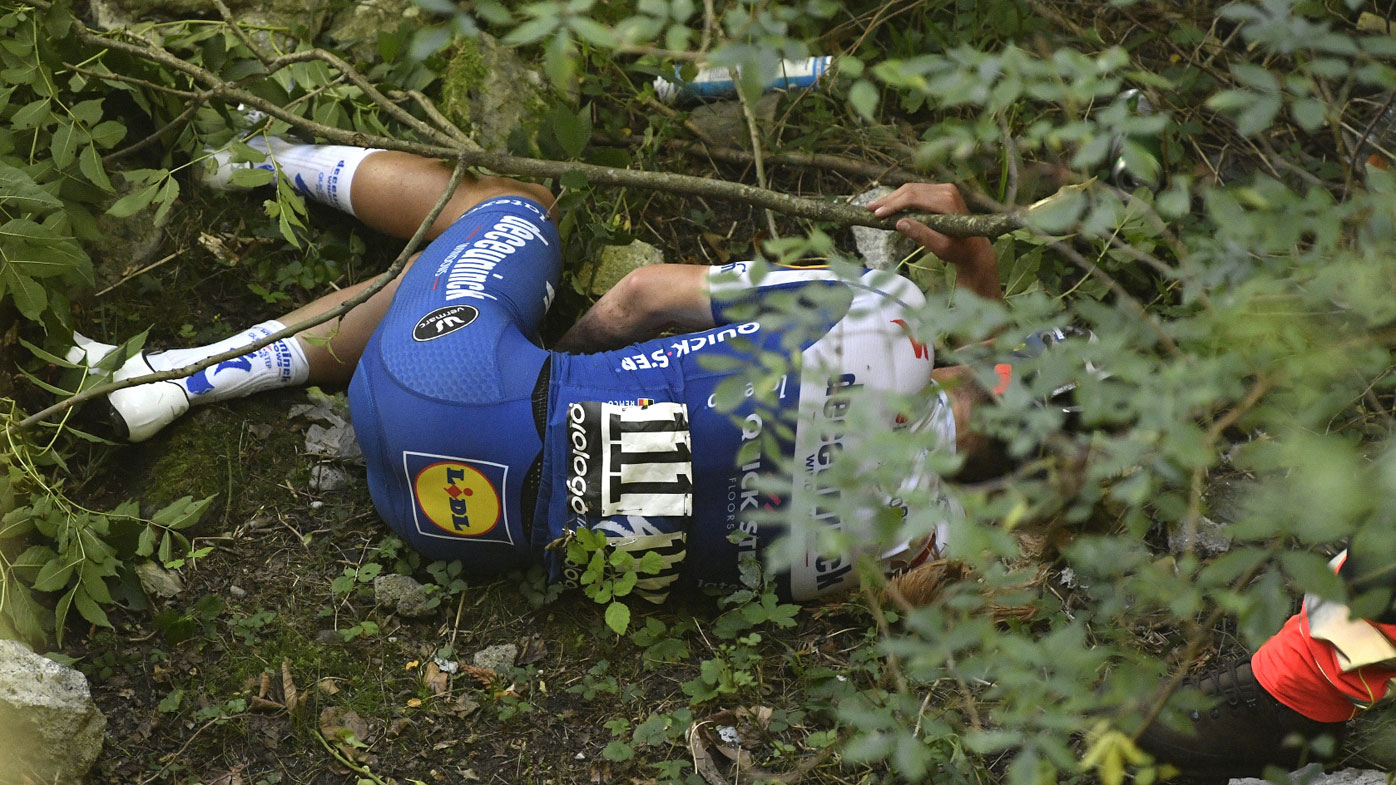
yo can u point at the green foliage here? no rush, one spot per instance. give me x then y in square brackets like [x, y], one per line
[609, 573]
[67, 108]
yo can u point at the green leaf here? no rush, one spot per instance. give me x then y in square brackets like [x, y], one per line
[34, 556]
[54, 574]
[650, 564]
[29, 297]
[87, 112]
[573, 131]
[170, 703]
[94, 584]
[618, 751]
[182, 512]
[60, 614]
[107, 133]
[1308, 113]
[1255, 77]
[1259, 115]
[19, 613]
[624, 584]
[533, 30]
[16, 523]
[618, 617]
[592, 32]
[862, 96]
[90, 164]
[251, 178]
[1059, 213]
[145, 543]
[168, 193]
[558, 61]
[134, 202]
[90, 610]
[64, 146]
[32, 115]
[16, 185]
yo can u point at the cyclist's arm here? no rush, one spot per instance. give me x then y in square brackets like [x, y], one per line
[646, 302]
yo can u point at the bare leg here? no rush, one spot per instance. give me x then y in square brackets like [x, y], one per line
[332, 348]
[393, 192]
[390, 191]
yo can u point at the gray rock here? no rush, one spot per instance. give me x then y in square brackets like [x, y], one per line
[490, 93]
[403, 595]
[725, 121]
[52, 730]
[1224, 496]
[330, 435]
[355, 29]
[615, 262]
[498, 658]
[326, 478]
[158, 581]
[1313, 775]
[1210, 539]
[881, 249]
[334, 441]
[307, 16]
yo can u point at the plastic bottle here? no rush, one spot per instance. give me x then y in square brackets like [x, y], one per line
[720, 82]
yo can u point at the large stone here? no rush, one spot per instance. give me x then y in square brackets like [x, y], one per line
[490, 93]
[403, 595]
[303, 17]
[725, 121]
[499, 658]
[881, 249]
[158, 581]
[1315, 775]
[615, 262]
[50, 730]
[1225, 498]
[355, 29]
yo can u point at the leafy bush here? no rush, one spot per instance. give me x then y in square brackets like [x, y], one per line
[1228, 241]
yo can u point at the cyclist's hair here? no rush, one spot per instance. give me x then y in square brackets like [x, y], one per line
[985, 457]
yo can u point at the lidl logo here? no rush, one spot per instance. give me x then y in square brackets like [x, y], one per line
[458, 497]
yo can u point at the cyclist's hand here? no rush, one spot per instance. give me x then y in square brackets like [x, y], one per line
[973, 257]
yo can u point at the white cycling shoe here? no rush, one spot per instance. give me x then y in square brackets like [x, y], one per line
[139, 412]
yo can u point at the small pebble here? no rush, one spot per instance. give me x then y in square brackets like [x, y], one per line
[237, 591]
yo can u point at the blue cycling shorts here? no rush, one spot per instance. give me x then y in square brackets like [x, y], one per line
[441, 401]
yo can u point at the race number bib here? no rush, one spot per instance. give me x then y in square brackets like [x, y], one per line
[629, 460]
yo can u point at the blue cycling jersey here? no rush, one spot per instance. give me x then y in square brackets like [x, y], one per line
[484, 447]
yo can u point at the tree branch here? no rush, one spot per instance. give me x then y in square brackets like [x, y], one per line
[444, 146]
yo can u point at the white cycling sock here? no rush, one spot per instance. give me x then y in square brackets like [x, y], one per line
[279, 364]
[322, 172]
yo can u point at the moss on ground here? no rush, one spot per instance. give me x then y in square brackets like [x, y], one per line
[464, 74]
